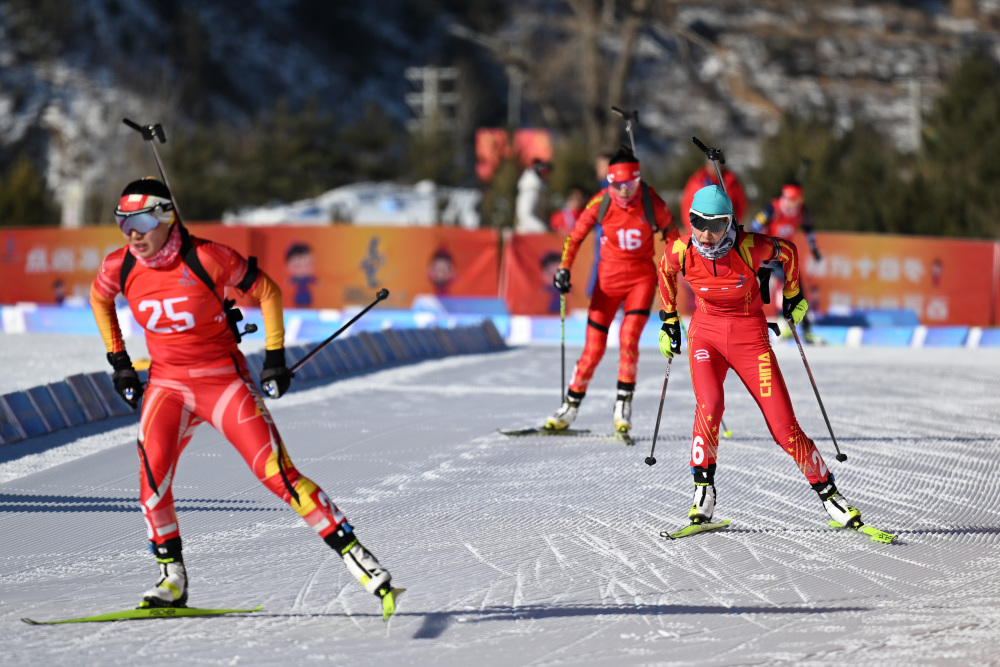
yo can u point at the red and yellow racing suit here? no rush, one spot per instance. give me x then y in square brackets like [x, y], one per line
[197, 375]
[626, 273]
[729, 330]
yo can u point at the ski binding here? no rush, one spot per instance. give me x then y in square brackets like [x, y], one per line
[874, 533]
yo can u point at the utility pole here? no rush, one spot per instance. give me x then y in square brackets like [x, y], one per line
[435, 103]
[514, 66]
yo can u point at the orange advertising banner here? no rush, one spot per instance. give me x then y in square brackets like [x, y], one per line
[44, 265]
[943, 281]
[334, 266]
[529, 264]
[316, 267]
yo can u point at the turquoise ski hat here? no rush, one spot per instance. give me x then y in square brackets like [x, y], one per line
[712, 200]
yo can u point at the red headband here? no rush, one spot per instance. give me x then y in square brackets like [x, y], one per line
[623, 171]
[792, 192]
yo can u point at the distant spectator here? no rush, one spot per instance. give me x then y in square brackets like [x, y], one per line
[562, 221]
[705, 176]
[532, 191]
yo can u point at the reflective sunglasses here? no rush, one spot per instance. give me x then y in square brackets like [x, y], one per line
[144, 220]
[628, 185]
[704, 222]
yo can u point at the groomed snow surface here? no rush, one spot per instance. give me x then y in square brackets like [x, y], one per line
[532, 550]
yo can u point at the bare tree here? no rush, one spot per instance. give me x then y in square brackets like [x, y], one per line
[595, 17]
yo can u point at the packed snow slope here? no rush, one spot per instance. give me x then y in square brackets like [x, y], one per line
[536, 550]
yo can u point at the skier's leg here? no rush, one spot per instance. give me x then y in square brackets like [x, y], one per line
[165, 428]
[757, 367]
[240, 415]
[637, 304]
[709, 365]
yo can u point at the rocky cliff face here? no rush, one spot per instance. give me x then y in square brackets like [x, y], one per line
[729, 68]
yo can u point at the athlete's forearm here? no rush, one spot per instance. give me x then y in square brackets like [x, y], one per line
[667, 283]
[107, 321]
[271, 310]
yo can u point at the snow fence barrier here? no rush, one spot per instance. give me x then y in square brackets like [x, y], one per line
[90, 397]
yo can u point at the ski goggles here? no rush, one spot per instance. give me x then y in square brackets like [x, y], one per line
[704, 222]
[146, 219]
[625, 187]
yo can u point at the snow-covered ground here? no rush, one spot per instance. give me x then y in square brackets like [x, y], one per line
[533, 551]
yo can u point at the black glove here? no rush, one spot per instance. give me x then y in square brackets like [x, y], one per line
[125, 378]
[818, 257]
[275, 379]
[672, 327]
[561, 280]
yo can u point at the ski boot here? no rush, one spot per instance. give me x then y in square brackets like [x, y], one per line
[703, 505]
[566, 414]
[623, 407]
[171, 589]
[836, 505]
[365, 568]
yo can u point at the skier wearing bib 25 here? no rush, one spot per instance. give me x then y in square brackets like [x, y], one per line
[629, 213]
[728, 330]
[198, 374]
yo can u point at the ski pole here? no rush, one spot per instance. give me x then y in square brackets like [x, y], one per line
[628, 117]
[150, 132]
[802, 353]
[651, 460]
[562, 341]
[562, 325]
[381, 295]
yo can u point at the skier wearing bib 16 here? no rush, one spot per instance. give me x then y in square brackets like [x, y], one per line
[173, 282]
[632, 213]
[728, 330]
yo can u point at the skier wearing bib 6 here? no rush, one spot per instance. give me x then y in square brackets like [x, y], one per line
[728, 330]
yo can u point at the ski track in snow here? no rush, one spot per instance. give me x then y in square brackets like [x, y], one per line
[533, 550]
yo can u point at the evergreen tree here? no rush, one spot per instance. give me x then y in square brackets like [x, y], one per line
[956, 190]
[24, 197]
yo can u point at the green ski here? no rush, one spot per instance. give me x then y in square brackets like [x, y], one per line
[541, 430]
[874, 533]
[694, 529]
[624, 438]
[151, 612]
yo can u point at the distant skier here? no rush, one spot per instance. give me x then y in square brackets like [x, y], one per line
[782, 218]
[728, 330]
[198, 374]
[632, 214]
[705, 175]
